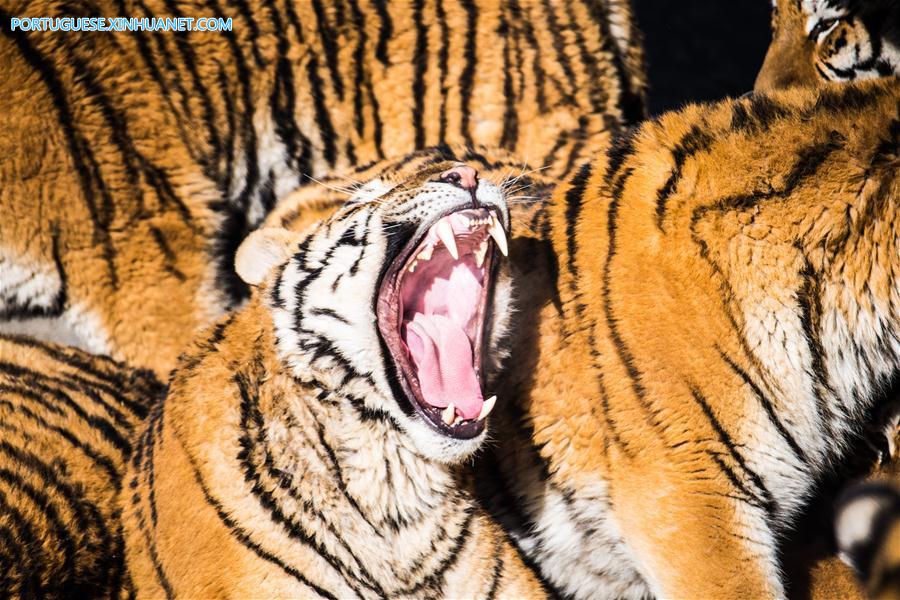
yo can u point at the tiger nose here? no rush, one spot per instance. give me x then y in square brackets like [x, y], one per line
[462, 176]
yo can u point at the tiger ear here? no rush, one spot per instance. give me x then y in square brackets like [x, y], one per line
[261, 250]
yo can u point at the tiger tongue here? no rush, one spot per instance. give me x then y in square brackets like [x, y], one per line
[442, 355]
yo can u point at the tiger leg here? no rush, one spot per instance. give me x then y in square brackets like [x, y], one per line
[697, 536]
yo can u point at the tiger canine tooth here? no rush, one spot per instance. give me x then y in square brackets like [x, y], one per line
[481, 252]
[448, 415]
[496, 231]
[412, 267]
[487, 407]
[445, 233]
[426, 253]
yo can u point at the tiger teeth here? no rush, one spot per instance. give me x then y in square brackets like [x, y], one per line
[426, 253]
[487, 407]
[481, 252]
[448, 415]
[496, 231]
[412, 267]
[445, 233]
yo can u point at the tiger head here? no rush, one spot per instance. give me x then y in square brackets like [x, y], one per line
[397, 301]
[831, 40]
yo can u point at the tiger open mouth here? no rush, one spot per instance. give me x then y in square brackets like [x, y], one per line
[432, 311]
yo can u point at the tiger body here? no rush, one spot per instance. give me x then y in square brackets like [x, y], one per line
[66, 419]
[708, 340]
[282, 461]
[741, 385]
[815, 41]
[134, 163]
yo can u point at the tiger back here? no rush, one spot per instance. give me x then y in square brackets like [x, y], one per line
[134, 163]
[66, 419]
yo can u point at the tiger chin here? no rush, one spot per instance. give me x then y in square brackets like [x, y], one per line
[309, 445]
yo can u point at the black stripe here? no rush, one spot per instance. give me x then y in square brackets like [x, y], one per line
[562, 59]
[359, 26]
[420, 61]
[31, 382]
[809, 301]
[510, 135]
[85, 516]
[134, 162]
[809, 160]
[189, 58]
[596, 91]
[94, 455]
[252, 28]
[443, 58]
[619, 151]
[622, 350]
[537, 62]
[432, 582]
[327, 37]
[694, 141]
[327, 312]
[230, 135]
[630, 100]
[283, 106]
[145, 381]
[76, 383]
[385, 31]
[467, 77]
[26, 540]
[169, 258]
[327, 133]
[496, 572]
[767, 406]
[756, 113]
[762, 497]
[574, 201]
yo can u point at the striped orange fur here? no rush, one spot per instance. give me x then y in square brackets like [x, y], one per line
[692, 348]
[134, 163]
[285, 460]
[66, 419]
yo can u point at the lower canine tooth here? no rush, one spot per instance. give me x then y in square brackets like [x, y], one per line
[448, 415]
[487, 407]
[480, 253]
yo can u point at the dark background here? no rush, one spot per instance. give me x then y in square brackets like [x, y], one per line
[701, 49]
